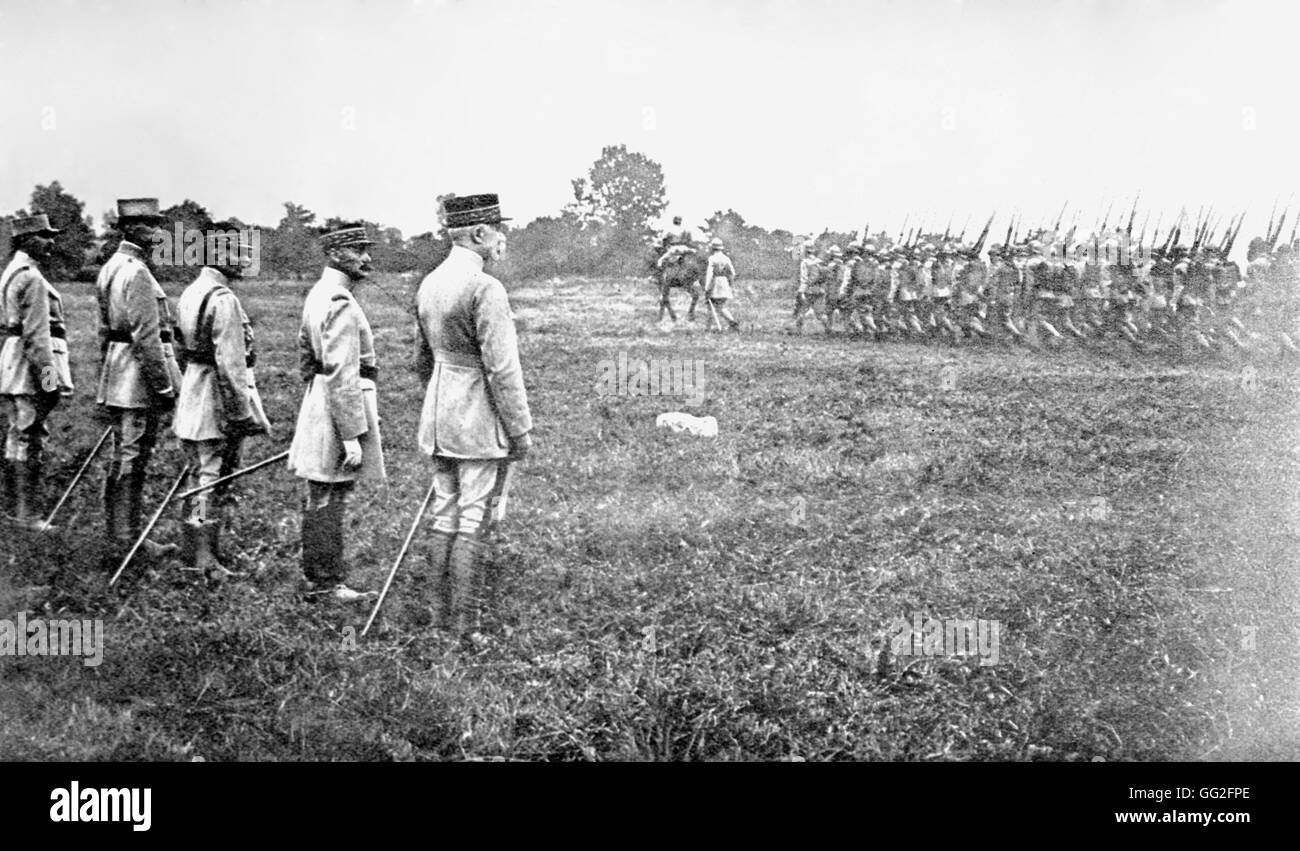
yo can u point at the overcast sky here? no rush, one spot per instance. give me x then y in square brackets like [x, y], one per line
[798, 114]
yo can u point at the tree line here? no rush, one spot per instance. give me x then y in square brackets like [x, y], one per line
[609, 228]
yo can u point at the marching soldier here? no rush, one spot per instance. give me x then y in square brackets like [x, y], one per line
[810, 285]
[831, 271]
[139, 379]
[1042, 281]
[943, 274]
[1227, 283]
[1005, 285]
[910, 283]
[970, 282]
[718, 275]
[1160, 283]
[1123, 266]
[475, 419]
[839, 284]
[34, 371]
[219, 404]
[336, 442]
[864, 291]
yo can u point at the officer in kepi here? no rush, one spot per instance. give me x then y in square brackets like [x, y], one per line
[34, 371]
[219, 403]
[475, 419]
[139, 379]
[336, 442]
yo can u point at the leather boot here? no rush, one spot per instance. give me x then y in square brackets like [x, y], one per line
[135, 521]
[207, 557]
[189, 542]
[116, 531]
[317, 554]
[467, 555]
[28, 508]
[8, 487]
[437, 585]
[333, 516]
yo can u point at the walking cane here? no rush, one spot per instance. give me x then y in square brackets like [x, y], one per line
[717, 323]
[401, 555]
[235, 475]
[84, 467]
[152, 522]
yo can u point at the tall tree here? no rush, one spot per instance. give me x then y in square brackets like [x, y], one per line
[624, 192]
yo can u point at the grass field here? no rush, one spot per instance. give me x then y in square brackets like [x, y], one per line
[672, 597]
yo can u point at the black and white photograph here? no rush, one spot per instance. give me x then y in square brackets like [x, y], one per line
[563, 381]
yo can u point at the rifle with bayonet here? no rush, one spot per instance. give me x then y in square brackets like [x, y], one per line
[1176, 236]
[1060, 218]
[1101, 226]
[979, 243]
[1132, 216]
[1272, 239]
[1232, 240]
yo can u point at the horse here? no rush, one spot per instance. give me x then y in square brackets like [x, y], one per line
[685, 271]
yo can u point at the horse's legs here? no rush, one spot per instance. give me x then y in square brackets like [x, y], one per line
[666, 303]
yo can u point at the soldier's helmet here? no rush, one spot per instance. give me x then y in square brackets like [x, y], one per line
[715, 243]
[835, 251]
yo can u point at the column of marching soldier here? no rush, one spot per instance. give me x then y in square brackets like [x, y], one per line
[1107, 288]
[196, 364]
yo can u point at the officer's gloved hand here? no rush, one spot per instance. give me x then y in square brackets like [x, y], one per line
[164, 402]
[519, 446]
[246, 427]
[352, 454]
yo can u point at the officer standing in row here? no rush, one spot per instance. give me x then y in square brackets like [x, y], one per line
[139, 379]
[475, 419]
[336, 441]
[219, 405]
[34, 371]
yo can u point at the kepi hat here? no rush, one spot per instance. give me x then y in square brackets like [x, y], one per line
[471, 210]
[139, 209]
[347, 235]
[31, 224]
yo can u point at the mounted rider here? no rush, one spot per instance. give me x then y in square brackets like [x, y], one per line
[678, 241]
